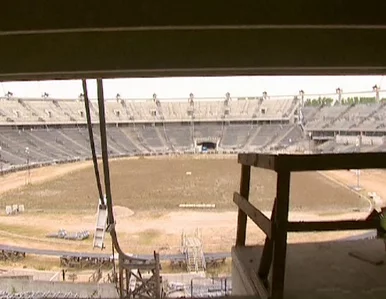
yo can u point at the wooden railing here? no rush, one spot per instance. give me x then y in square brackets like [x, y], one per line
[276, 228]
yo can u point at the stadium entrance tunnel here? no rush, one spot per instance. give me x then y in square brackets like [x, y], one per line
[207, 146]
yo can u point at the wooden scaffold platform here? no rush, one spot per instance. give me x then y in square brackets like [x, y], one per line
[11, 255]
[140, 279]
[270, 276]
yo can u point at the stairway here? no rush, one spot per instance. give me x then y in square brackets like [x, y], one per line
[190, 260]
[339, 116]
[375, 111]
[195, 259]
[294, 105]
[252, 135]
[281, 137]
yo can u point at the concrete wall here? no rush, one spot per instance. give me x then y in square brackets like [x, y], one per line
[84, 290]
[342, 139]
[366, 140]
[35, 274]
[372, 140]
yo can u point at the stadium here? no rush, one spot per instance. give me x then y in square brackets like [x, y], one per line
[305, 172]
[185, 150]
[45, 131]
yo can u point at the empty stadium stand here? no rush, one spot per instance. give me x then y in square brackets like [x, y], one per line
[42, 131]
[236, 135]
[347, 127]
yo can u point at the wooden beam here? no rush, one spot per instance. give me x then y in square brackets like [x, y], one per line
[280, 234]
[242, 217]
[316, 161]
[259, 285]
[258, 160]
[256, 215]
[120, 278]
[127, 279]
[157, 276]
[308, 226]
[335, 161]
[267, 255]
[146, 267]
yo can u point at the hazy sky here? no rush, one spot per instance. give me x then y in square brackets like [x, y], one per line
[200, 86]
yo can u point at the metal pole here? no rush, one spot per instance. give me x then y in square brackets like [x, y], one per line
[29, 171]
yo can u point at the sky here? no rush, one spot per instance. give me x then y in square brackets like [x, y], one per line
[201, 87]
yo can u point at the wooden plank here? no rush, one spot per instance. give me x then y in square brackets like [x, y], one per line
[316, 161]
[247, 159]
[120, 279]
[256, 215]
[280, 240]
[127, 279]
[242, 217]
[258, 160]
[336, 161]
[157, 276]
[308, 226]
[259, 285]
[267, 255]
[145, 267]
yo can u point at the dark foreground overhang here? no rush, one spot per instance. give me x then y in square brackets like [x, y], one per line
[26, 16]
[75, 39]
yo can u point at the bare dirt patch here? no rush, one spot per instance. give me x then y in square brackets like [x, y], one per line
[38, 175]
[146, 194]
[162, 184]
[372, 180]
[122, 212]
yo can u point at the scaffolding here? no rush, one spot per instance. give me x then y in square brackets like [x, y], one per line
[133, 281]
[192, 247]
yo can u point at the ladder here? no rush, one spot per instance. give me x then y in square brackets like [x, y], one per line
[100, 228]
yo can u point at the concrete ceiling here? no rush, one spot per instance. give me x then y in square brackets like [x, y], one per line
[85, 39]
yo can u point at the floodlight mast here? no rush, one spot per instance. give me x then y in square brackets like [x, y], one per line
[301, 94]
[227, 99]
[339, 92]
[191, 99]
[376, 89]
[28, 178]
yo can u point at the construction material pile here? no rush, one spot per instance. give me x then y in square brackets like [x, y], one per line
[62, 234]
